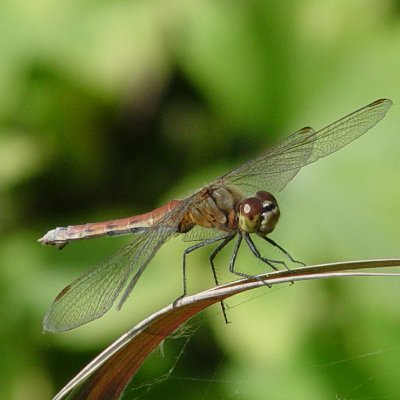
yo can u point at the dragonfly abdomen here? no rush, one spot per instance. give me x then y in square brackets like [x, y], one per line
[61, 236]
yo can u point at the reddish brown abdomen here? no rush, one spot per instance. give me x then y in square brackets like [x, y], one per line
[61, 236]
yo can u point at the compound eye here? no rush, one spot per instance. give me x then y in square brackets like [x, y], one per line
[266, 196]
[251, 207]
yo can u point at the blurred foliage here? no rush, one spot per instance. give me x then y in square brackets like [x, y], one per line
[111, 108]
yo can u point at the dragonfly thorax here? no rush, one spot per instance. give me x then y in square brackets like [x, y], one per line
[258, 214]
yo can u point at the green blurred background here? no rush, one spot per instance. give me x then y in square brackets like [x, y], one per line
[110, 108]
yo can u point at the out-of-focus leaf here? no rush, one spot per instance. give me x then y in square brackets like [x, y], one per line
[106, 377]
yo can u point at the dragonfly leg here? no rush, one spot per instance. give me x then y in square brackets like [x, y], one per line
[255, 251]
[189, 250]
[215, 253]
[233, 260]
[211, 258]
[267, 261]
[286, 253]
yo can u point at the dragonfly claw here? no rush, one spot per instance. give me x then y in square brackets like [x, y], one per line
[176, 301]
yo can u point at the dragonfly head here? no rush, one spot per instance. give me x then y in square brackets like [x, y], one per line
[258, 214]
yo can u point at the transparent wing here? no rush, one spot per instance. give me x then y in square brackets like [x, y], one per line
[94, 292]
[273, 170]
[199, 234]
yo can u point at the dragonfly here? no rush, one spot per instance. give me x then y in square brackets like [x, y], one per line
[235, 206]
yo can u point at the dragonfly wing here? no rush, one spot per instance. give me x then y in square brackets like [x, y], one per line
[166, 227]
[273, 170]
[199, 234]
[94, 292]
[342, 132]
